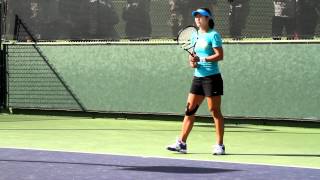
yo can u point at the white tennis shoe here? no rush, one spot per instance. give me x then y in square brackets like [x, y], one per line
[219, 149]
[179, 146]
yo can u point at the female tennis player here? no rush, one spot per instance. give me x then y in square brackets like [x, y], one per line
[207, 81]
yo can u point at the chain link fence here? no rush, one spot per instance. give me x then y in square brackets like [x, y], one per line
[159, 19]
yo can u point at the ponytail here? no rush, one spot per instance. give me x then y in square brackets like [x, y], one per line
[211, 23]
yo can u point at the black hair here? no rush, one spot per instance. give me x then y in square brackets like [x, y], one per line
[211, 22]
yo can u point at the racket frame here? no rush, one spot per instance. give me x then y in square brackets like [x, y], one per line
[186, 46]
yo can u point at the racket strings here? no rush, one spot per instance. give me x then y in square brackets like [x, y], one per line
[187, 45]
[185, 39]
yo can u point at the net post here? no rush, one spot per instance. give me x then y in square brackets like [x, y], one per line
[2, 62]
[2, 21]
[3, 78]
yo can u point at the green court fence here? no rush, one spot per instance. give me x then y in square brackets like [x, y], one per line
[275, 80]
[33, 82]
[263, 79]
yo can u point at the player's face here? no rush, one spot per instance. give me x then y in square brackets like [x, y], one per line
[201, 21]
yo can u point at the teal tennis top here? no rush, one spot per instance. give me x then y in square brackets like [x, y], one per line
[204, 48]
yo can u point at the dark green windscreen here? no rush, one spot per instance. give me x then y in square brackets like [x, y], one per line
[261, 80]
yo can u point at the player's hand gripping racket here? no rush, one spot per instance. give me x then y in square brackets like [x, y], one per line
[187, 39]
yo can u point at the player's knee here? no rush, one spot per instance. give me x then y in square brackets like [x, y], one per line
[191, 111]
[215, 111]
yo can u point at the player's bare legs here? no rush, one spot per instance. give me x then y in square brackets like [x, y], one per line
[193, 102]
[214, 105]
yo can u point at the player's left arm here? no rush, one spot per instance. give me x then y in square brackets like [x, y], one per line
[217, 56]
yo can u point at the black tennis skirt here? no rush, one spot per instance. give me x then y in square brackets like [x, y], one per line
[207, 86]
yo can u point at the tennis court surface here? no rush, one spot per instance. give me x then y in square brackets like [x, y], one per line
[64, 148]
[38, 165]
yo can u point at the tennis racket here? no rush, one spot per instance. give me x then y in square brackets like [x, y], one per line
[187, 39]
